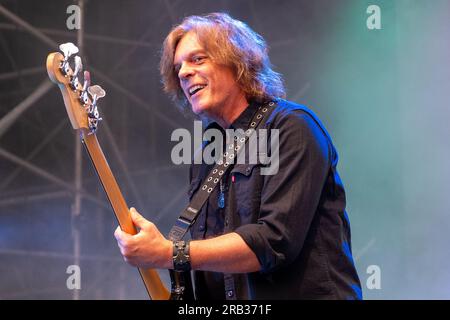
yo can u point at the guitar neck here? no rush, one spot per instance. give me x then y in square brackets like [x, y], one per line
[155, 287]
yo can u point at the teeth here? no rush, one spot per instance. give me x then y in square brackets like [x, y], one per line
[195, 88]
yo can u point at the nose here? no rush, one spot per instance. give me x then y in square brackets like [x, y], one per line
[185, 71]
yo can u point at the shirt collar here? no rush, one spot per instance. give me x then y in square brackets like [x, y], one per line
[242, 121]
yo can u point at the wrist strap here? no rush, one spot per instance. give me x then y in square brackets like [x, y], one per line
[180, 256]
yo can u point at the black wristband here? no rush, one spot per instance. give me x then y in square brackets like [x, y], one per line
[181, 258]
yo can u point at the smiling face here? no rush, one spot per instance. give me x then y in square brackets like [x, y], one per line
[210, 88]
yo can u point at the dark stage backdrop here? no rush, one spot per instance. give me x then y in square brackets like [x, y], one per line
[376, 72]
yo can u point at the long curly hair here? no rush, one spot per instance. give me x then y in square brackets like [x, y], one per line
[227, 42]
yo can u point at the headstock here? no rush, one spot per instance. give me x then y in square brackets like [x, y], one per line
[80, 100]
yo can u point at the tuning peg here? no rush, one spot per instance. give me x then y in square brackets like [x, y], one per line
[84, 98]
[78, 65]
[68, 49]
[96, 93]
[96, 90]
[93, 123]
[87, 80]
[74, 76]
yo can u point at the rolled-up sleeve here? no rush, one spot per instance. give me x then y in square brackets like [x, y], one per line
[290, 198]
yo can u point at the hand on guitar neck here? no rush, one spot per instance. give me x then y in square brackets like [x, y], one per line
[146, 249]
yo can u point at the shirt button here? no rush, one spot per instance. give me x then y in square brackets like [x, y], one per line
[230, 293]
[201, 228]
[248, 170]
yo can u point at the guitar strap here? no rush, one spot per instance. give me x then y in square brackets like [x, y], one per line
[182, 288]
[190, 213]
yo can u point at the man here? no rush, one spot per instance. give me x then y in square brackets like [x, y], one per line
[279, 236]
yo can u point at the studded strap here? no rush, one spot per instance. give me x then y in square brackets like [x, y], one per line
[190, 213]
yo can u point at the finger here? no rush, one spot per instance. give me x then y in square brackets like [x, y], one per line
[121, 236]
[138, 220]
[117, 233]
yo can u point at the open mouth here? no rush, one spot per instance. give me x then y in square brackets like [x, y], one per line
[196, 88]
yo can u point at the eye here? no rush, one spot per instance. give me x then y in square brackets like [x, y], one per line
[198, 59]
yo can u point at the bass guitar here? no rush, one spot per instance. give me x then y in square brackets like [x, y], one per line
[81, 101]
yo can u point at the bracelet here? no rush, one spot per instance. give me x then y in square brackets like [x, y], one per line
[180, 257]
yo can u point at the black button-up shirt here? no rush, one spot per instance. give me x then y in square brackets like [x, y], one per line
[294, 221]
